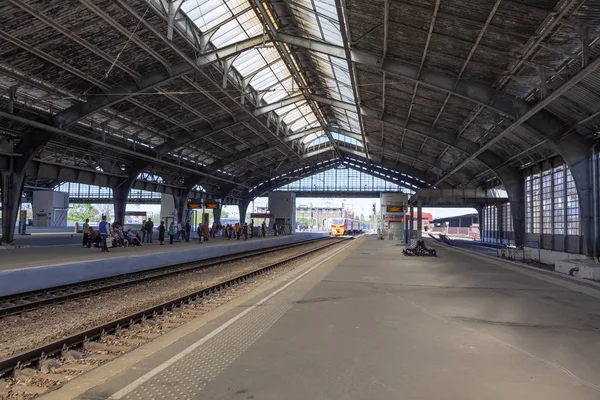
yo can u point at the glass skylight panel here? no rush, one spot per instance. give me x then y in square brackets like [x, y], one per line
[206, 14]
[322, 139]
[284, 110]
[275, 93]
[230, 32]
[262, 65]
[248, 62]
[327, 8]
[331, 32]
[236, 5]
[312, 136]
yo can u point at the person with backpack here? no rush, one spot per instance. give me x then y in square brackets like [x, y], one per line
[172, 231]
[161, 232]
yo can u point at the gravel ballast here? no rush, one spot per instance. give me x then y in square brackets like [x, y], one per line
[36, 328]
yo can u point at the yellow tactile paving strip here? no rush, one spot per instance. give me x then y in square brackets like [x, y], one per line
[186, 378]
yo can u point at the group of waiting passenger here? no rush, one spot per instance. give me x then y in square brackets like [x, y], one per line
[108, 235]
[115, 235]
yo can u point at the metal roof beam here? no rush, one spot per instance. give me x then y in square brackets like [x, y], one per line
[144, 158]
[498, 101]
[277, 105]
[301, 134]
[415, 178]
[187, 138]
[125, 90]
[545, 122]
[444, 137]
[342, 13]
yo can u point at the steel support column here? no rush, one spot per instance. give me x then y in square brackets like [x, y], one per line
[217, 215]
[499, 224]
[419, 219]
[13, 178]
[411, 219]
[120, 196]
[480, 216]
[12, 186]
[243, 207]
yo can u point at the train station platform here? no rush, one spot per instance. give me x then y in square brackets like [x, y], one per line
[364, 322]
[27, 269]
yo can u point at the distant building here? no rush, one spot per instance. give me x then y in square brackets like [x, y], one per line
[317, 217]
[427, 219]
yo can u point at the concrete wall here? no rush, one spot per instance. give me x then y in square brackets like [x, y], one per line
[53, 204]
[37, 278]
[283, 206]
[167, 209]
[549, 257]
[394, 230]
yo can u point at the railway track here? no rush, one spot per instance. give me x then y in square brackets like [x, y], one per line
[34, 356]
[23, 302]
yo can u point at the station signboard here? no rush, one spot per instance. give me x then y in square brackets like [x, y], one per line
[394, 208]
[262, 215]
[393, 217]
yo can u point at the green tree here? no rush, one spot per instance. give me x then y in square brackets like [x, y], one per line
[80, 212]
[224, 214]
[105, 209]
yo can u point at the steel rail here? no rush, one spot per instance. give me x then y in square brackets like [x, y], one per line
[28, 301]
[30, 357]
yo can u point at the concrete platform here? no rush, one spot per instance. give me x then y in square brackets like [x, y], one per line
[29, 269]
[368, 323]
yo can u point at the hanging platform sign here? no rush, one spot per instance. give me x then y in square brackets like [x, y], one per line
[194, 205]
[394, 208]
[212, 205]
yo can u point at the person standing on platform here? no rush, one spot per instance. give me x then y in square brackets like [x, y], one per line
[205, 231]
[188, 231]
[143, 230]
[245, 230]
[149, 228]
[251, 228]
[103, 229]
[199, 232]
[263, 229]
[172, 230]
[161, 233]
[179, 231]
[86, 232]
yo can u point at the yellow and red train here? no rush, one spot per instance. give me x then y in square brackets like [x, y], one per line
[345, 226]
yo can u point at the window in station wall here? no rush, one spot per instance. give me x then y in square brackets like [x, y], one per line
[552, 203]
[547, 202]
[507, 218]
[528, 214]
[536, 207]
[559, 200]
[572, 206]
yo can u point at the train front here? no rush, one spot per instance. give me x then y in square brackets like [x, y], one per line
[338, 226]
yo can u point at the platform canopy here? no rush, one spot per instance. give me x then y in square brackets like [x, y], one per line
[232, 95]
